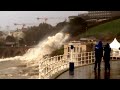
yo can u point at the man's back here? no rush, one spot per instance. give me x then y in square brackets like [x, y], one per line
[98, 52]
[107, 51]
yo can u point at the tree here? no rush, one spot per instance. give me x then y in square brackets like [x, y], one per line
[77, 26]
[10, 39]
[38, 33]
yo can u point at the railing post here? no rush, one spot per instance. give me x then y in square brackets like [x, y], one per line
[88, 57]
[85, 58]
[52, 65]
[39, 70]
[91, 57]
[81, 59]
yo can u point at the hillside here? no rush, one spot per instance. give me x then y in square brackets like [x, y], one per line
[33, 35]
[106, 31]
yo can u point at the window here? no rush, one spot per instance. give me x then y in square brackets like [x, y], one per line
[77, 49]
[68, 49]
[81, 49]
[74, 49]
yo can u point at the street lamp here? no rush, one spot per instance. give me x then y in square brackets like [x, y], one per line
[71, 63]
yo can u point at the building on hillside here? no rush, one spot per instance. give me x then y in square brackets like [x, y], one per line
[10, 41]
[83, 16]
[97, 15]
[103, 14]
[88, 40]
[79, 46]
[11, 44]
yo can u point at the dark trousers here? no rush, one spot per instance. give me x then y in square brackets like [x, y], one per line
[97, 63]
[107, 65]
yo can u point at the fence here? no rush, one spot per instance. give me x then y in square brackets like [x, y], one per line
[50, 66]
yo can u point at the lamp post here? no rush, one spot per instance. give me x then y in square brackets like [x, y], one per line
[71, 63]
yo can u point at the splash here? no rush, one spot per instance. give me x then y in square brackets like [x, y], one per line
[44, 47]
[19, 35]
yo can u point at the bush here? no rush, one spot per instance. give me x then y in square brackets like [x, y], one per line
[58, 52]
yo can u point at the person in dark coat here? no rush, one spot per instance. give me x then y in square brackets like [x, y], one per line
[106, 57]
[98, 55]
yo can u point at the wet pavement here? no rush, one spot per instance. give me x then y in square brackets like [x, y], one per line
[87, 72]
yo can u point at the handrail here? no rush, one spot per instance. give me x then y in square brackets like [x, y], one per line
[50, 66]
[46, 72]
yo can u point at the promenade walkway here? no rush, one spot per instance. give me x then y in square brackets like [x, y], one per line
[87, 72]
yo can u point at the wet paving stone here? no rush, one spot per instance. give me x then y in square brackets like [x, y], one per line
[87, 72]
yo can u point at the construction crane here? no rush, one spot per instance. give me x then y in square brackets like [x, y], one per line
[23, 25]
[45, 19]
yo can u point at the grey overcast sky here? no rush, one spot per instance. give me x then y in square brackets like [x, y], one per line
[8, 18]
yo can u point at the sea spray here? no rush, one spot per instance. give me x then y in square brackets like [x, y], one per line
[44, 47]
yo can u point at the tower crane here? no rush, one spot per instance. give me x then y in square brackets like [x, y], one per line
[45, 19]
[23, 25]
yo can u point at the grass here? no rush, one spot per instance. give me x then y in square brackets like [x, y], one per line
[110, 28]
[107, 31]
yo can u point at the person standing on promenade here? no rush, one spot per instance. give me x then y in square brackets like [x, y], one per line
[98, 55]
[106, 57]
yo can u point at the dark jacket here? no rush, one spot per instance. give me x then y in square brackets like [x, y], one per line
[100, 49]
[107, 51]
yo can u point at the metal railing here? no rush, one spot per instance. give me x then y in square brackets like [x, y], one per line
[51, 66]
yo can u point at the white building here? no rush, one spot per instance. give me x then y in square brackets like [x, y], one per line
[78, 47]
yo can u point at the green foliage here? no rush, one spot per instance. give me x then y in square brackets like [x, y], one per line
[77, 21]
[36, 33]
[10, 39]
[1, 43]
[58, 52]
[77, 26]
[105, 31]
